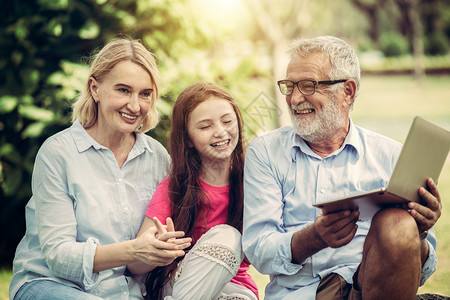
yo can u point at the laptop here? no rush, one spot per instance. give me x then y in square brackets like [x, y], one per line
[423, 155]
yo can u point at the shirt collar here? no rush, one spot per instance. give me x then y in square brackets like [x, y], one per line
[84, 141]
[352, 140]
[140, 146]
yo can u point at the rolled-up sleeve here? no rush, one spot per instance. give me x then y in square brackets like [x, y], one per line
[266, 243]
[431, 263]
[66, 257]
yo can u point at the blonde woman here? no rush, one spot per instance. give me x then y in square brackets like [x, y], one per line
[91, 186]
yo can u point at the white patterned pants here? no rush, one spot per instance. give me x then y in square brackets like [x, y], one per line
[207, 269]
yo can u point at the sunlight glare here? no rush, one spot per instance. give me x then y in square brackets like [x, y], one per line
[221, 14]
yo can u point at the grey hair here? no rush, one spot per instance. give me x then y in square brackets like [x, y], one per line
[343, 59]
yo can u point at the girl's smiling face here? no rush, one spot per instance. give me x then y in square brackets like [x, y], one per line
[213, 129]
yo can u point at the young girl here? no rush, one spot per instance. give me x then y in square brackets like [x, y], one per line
[204, 197]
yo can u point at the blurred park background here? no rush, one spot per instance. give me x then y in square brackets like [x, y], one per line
[403, 47]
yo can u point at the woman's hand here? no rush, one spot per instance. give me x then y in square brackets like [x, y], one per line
[160, 245]
[157, 245]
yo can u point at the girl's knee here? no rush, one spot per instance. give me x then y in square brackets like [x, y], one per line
[221, 244]
[225, 235]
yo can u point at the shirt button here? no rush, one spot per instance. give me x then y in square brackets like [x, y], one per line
[322, 191]
[126, 208]
[120, 179]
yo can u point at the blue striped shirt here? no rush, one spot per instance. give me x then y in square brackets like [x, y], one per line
[81, 199]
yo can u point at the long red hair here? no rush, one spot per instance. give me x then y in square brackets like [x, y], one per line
[185, 192]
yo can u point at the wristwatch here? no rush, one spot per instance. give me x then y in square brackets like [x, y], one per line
[423, 235]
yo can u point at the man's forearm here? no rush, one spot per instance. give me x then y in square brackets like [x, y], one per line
[305, 243]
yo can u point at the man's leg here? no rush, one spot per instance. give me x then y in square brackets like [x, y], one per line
[391, 263]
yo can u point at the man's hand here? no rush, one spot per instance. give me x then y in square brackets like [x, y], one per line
[330, 229]
[336, 229]
[427, 214]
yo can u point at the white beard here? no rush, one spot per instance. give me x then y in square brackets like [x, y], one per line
[322, 125]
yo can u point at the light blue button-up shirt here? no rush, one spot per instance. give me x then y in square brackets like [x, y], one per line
[81, 199]
[283, 178]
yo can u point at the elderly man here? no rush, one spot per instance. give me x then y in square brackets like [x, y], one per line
[314, 254]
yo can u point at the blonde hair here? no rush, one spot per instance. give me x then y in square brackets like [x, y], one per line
[85, 108]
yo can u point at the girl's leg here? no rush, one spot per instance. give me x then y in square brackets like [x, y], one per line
[209, 266]
[51, 290]
[233, 291]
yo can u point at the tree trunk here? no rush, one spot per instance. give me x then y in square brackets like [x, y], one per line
[417, 37]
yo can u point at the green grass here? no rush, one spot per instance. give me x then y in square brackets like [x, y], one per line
[405, 63]
[387, 104]
[5, 278]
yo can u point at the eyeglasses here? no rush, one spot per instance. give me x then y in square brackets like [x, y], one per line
[306, 87]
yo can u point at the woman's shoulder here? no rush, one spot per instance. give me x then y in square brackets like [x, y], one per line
[152, 144]
[61, 140]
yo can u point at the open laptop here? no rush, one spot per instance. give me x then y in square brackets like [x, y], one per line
[423, 155]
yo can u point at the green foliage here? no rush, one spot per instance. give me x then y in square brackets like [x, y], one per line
[394, 44]
[404, 64]
[5, 278]
[41, 41]
[437, 44]
[170, 31]
[436, 23]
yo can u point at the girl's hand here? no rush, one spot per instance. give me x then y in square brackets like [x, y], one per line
[160, 245]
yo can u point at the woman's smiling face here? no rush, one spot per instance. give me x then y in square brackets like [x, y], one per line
[123, 97]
